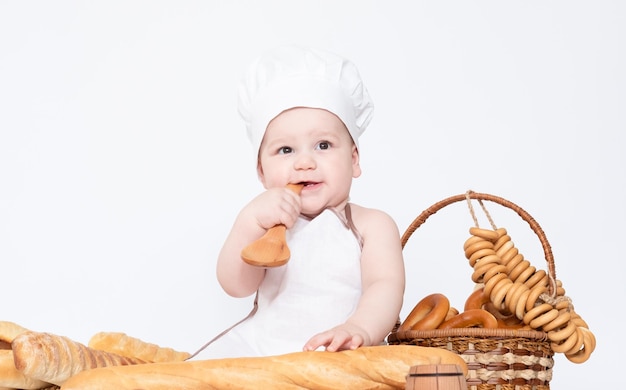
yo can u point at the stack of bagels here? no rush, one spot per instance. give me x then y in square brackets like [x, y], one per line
[435, 312]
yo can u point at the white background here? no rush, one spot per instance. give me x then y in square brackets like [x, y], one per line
[123, 161]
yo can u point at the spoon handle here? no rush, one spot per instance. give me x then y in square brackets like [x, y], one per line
[271, 249]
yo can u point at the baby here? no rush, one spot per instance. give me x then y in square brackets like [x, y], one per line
[343, 286]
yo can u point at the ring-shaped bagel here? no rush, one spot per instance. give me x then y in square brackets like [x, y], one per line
[476, 300]
[540, 277]
[563, 305]
[471, 241]
[534, 296]
[482, 244]
[495, 269]
[451, 313]
[509, 255]
[501, 246]
[559, 322]
[491, 308]
[589, 345]
[512, 323]
[505, 321]
[513, 296]
[470, 319]
[544, 319]
[567, 344]
[489, 259]
[560, 291]
[524, 275]
[557, 336]
[578, 320]
[515, 272]
[580, 341]
[520, 308]
[501, 232]
[480, 271]
[491, 283]
[474, 257]
[580, 356]
[498, 294]
[490, 235]
[428, 314]
[536, 312]
[512, 262]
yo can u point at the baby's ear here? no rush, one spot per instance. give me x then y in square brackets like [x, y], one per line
[260, 174]
[356, 166]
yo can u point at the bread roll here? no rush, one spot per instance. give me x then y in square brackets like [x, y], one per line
[378, 367]
[8, 331]
[11, 378]
[123, 345]
[54, 359]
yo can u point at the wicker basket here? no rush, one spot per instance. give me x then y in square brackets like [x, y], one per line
[498, 359]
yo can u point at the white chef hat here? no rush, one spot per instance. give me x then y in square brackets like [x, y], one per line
[294, 76]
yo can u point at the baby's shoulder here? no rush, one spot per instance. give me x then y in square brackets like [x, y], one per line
[369, 218]
[365, 212]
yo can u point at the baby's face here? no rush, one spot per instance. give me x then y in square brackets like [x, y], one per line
[313, 147]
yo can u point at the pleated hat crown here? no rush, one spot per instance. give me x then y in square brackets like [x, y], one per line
[295, 76]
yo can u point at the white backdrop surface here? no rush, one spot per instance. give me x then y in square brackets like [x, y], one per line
[123, 161]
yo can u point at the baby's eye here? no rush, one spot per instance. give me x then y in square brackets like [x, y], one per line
[285, 150]
[324, 145]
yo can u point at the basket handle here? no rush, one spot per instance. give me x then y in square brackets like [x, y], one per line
[420, 219]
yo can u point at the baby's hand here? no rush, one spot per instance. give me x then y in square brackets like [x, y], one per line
[273, 207]
[339, 338]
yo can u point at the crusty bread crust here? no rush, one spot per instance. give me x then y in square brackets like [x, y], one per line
[54, 359]
[379, 367]
[8, 331]
[124, 345]
[11, 378]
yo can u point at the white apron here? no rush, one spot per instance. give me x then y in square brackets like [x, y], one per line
[319, 288]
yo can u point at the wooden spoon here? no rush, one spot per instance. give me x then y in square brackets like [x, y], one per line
[271, 249]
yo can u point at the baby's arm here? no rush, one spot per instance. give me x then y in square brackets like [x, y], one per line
[270, 208]
[383, 279]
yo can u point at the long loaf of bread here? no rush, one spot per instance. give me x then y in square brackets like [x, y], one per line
[378, 367]
[124, 345]
[52, 358]
[10, 377]
[8, 331]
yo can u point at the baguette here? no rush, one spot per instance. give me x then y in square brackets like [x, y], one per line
[11, 378]
[54, 359]
[123, 345]
[378, 367]
[8, 331]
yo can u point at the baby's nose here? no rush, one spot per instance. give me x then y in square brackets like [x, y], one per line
[305, 161]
